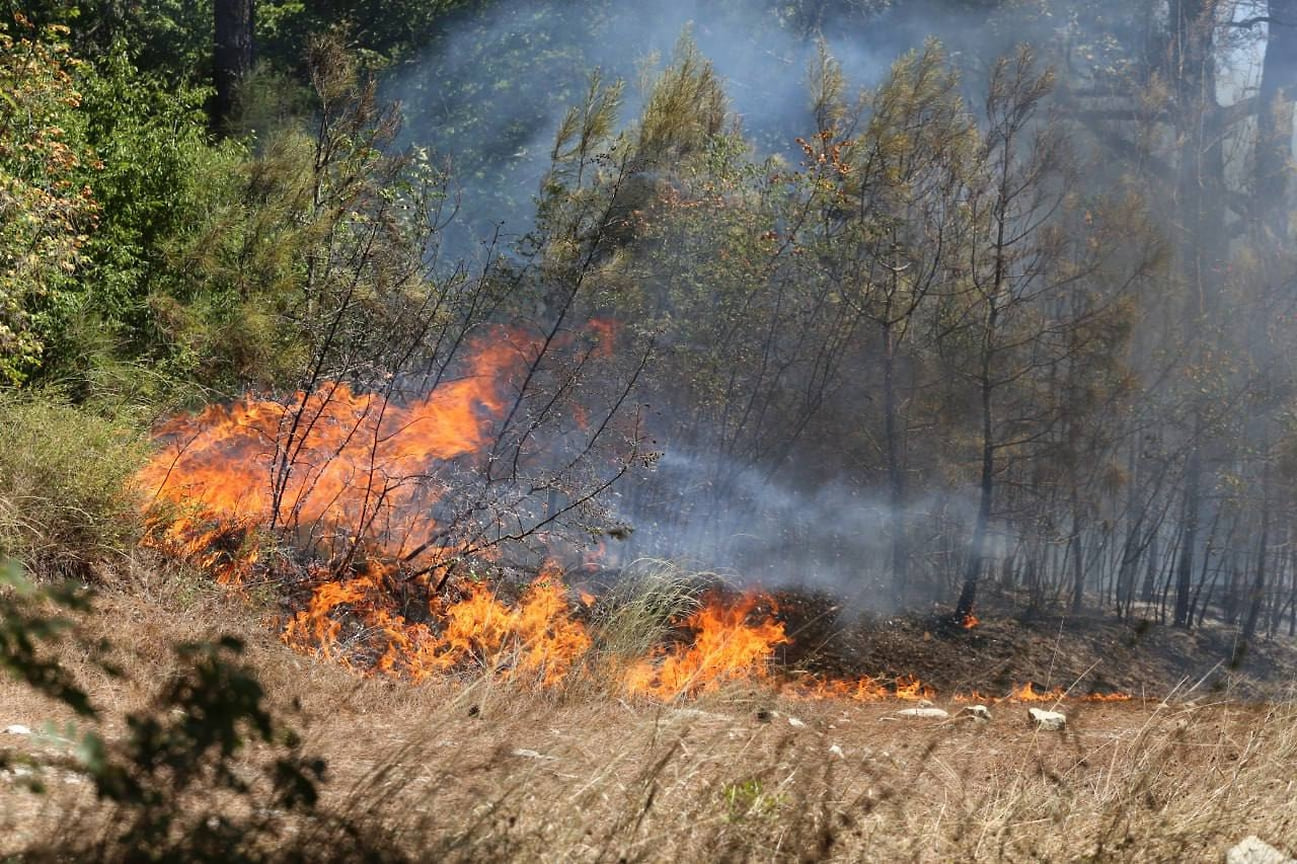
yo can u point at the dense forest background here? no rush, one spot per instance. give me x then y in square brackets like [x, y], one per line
[913, 301]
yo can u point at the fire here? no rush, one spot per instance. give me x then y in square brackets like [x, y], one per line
[1108, 697]
[1028, 693]
[730, 641]
[225, 549]
[906, 688]
[535, 639]
[352, 480]
[970, 621]
[333, 465]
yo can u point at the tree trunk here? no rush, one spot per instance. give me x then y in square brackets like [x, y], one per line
[895, 476]
[1078, 552]
[1275, 115]
[1258, 585]
[232, 59]
[1184, 567]
[977, 550]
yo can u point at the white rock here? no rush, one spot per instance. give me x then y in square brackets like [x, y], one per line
[977, 713]
[795, 723]
[696, 714]
[532, 754]
[1050, 721]
[934, 713]
[835, 750]
[1254, 850]
[17, 729]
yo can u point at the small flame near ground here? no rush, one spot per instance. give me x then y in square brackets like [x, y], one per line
[346, 459]
[729, 642]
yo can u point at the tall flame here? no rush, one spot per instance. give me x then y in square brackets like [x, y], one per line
[333, 462]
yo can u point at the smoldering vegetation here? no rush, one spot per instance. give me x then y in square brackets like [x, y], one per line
[939, 296]
[915, 302]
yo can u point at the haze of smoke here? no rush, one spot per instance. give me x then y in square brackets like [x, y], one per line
[758, 530]
[489, 93]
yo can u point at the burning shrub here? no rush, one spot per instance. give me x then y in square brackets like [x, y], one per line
[642, 607]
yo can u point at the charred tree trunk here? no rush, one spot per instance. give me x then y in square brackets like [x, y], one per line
[1078, 552]
[1256, 596]
[1277, 91]
[1184, 565]
[986, 487]
[1149, 588]
[232, 58]
[1202, 247]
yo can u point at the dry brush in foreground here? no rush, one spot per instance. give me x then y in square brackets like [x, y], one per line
[494, 771]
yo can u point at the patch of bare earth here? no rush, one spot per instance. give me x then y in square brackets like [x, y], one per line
[486, 771]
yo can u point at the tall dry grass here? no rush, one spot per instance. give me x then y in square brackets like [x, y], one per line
[493, 771]
[65, 500]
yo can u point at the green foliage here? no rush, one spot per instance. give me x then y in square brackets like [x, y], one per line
[750, 800]
[65, 501]
[384, 31]
[685, 108]
[186, 746]
[159, 181]
[310, 253]
[170, 38]
[46, 210]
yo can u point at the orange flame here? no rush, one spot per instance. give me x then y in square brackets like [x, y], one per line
[1028, 693]
[536, 639]
[970, 621]
[356, 471]
[1108, 697]
[337, 463]
[906, 688]
[727, 645]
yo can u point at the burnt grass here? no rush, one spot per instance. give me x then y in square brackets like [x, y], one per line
[1086, 653]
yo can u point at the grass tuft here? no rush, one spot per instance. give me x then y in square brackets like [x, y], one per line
[65, 501]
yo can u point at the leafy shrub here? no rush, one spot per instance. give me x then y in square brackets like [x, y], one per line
[64, 496]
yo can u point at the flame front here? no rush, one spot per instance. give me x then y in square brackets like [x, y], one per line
[335, 464]
[727, 645]
[535, 639]
[352, 480]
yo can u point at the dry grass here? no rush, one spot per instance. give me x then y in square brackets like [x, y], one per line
[732, 779]
[486, 771]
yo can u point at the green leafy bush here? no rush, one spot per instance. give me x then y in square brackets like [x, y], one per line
[65, 500]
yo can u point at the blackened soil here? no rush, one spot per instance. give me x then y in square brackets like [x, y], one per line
[1085, 654]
